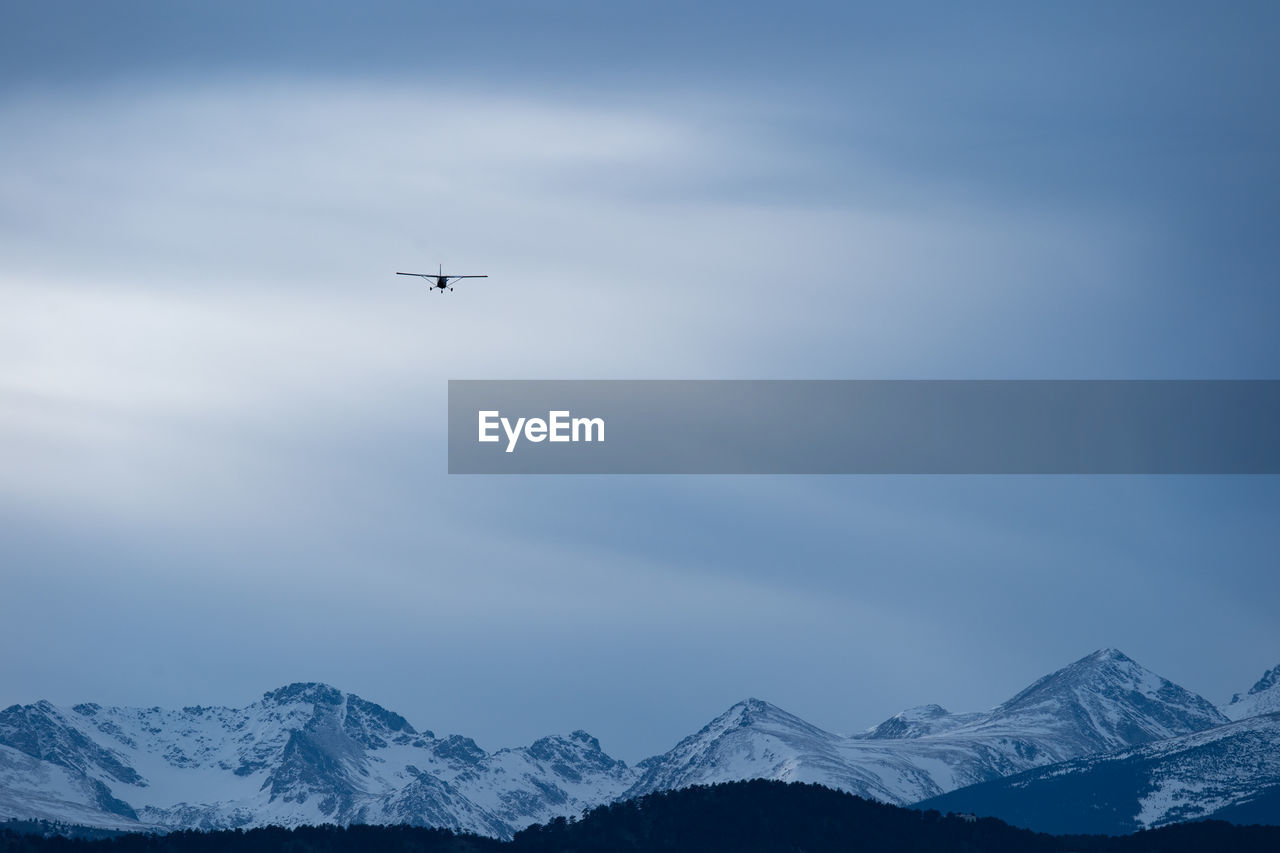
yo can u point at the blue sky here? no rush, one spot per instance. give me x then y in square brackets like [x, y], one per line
[222, 418]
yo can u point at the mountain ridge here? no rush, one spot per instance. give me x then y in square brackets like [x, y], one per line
[309, 753]
[1100, 702]
[1262, 698]
[1230, 770]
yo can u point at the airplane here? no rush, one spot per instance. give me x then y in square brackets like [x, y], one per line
[441, 281]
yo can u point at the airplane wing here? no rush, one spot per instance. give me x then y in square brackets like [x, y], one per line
[468, 276]
[418, 274]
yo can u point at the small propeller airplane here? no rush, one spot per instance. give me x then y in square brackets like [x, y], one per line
[439, 280]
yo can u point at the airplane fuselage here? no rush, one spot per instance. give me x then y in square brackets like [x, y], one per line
[440, 281]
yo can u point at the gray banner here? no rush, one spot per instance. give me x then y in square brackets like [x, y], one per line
[863, 427]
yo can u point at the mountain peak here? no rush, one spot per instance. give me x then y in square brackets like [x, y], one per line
[1263, 697]
[1109, 656]
[1111, 701]
[752, 705]
[567, 756]
[1269, 679]
[313, 692]
[323, 755]
[751, 738]
[365, 721]
[1105, 668]
[755, 713]
[910, 723]
[586, 739]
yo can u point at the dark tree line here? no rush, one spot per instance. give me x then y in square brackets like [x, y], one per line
[743, 817]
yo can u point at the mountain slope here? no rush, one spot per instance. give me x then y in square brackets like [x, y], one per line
[40, 790]
[308, 754]
[1231, 771]
[1102, 702]
[756, 740]
[303, 754]
[1099, 703]
[1262, 698]
[738, 817]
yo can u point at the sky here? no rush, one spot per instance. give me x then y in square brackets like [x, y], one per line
[222, 446]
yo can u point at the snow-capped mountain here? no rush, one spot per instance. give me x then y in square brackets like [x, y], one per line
[1262, 698]
[306, 753]
[919, 721]
[754, 739]
[1102, 702]
[1230, 772]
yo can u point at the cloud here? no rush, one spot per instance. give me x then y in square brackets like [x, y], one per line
[221, 412]
[211, 266]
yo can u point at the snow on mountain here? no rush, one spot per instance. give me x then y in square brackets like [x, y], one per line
[754, 739]
[1104, 701]
[1230, 772]
[44, 791]
[1262, 698]
[917, 722]
[1101, 702]
[552, 776]
[306, 753]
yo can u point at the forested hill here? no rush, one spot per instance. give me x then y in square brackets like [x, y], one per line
[738, 816]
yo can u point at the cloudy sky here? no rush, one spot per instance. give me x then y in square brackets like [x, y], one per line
[222, 457]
